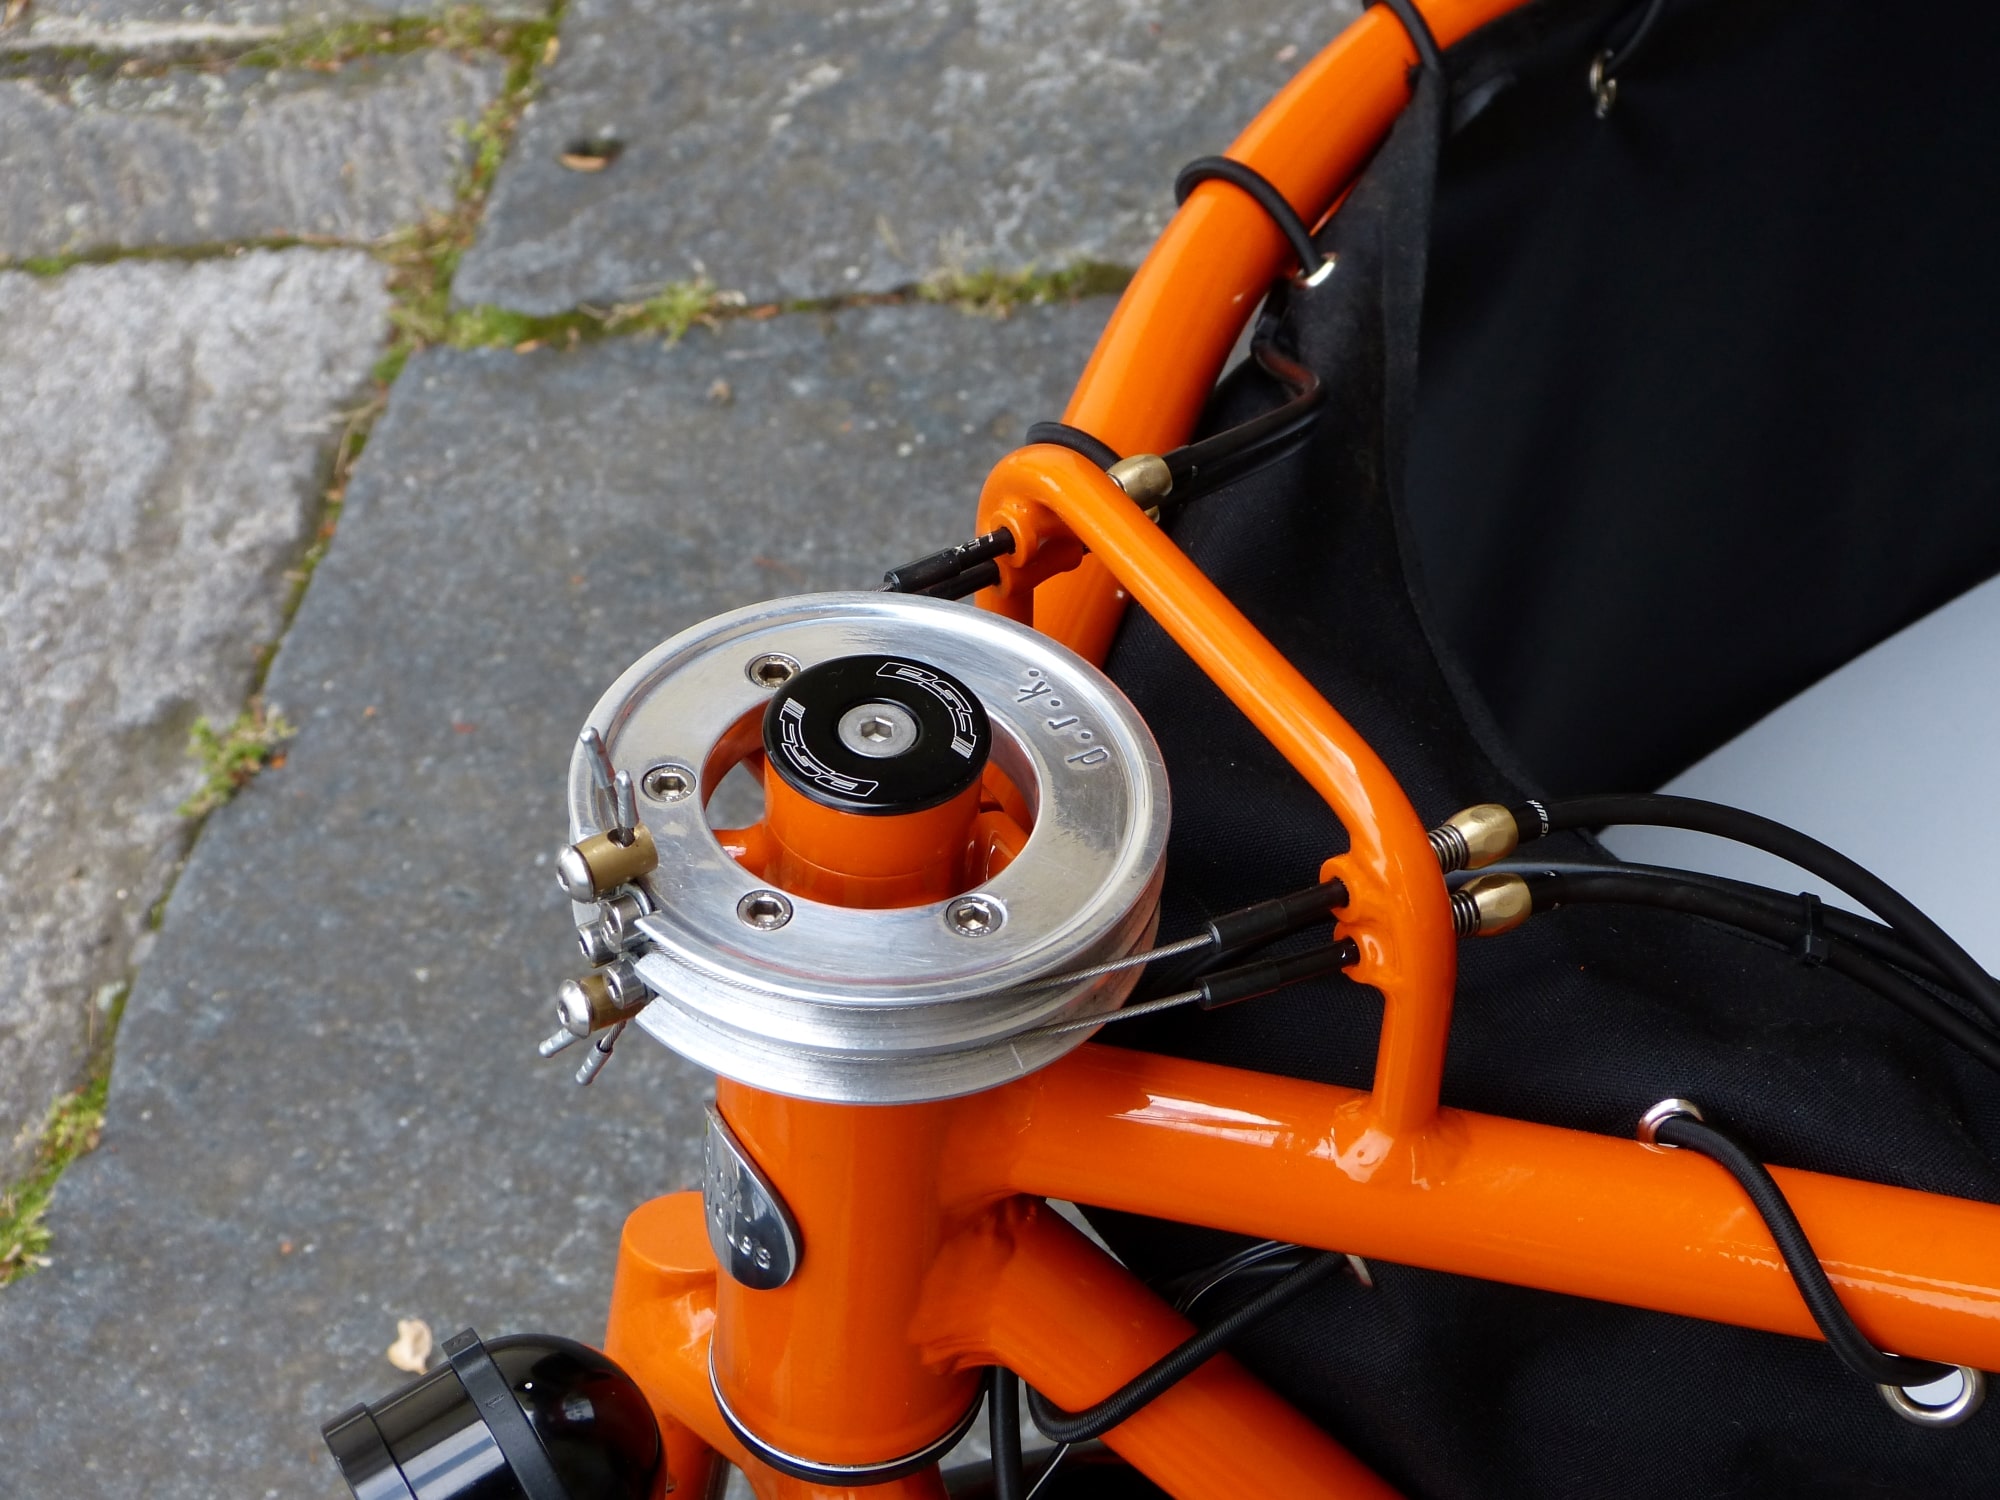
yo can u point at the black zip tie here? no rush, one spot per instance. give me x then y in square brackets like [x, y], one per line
[1812, 948]
[1170, 1369]
[1428, 55]
[1680, 1128]
[1236, 174]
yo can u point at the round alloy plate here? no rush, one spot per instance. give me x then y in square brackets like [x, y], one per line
[880, 1005]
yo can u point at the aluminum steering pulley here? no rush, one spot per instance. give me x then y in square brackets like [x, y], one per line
[865, 1004]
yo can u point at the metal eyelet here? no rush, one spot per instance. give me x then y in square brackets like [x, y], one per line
[1972, 1391]
[1651, 1121]
[1603, 85]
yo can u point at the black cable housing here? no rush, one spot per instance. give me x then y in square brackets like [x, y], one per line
[1655, 810]
[1003, 1433]
[1649, 887]
[1061, 1426]
[1872, 937]
[983, 575]
[1202, 467]
[1846, 1340]
[943, 569]
[1237, 934]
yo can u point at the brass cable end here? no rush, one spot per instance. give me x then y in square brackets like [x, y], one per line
[1474, 837]
[604, 997]
[1491, 904]
[595, 867]
[1146, 478]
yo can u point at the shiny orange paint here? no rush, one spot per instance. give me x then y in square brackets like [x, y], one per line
[1032, 1293]
[1397, 911]
[925, 1254]
[845, 859]
[662, 1315]
[1590, 1215]
[824, 1366]
[922, 1261]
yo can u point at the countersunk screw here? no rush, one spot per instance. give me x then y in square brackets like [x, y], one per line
[668, 783]
[766, 911]
[771, 670]
[975, 916]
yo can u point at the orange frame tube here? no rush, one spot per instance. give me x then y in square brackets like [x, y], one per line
[926, 1253]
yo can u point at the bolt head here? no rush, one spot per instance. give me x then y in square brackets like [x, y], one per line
[771, 670]
[669, 783]
[974, 916]
[599, 942]
[766, 911]
[879, 731]
[573, 876]
[573, 1008]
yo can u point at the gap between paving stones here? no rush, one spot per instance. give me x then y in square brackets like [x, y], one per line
[416, 258]
[422, 260]
[69, 53]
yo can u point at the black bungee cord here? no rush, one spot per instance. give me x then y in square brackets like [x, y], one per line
[1677, 1123]
[1177, 1364]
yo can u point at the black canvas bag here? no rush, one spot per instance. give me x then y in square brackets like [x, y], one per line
[1681, 442]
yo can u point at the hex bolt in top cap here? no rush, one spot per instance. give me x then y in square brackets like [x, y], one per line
[877, 735]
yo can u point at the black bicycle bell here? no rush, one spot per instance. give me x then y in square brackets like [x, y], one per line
[526, 1417]
[877, 735]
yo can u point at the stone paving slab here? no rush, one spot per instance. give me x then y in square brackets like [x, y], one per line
[326, 1112]
[196, 158]
[802, 151]
[165, 430]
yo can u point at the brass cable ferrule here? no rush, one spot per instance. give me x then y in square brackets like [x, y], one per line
[1491, 904]
[1146, 478]
[1475, 837]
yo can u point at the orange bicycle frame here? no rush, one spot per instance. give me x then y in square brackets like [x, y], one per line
[928, 1254]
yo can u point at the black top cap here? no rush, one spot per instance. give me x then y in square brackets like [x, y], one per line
[877, 735]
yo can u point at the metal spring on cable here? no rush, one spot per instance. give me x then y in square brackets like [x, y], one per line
[1464, 909]
[1449, 845]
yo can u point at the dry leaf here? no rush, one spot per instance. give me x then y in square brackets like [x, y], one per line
[412, 1350]
[578, 161]
[15, 9]
[721, 393]
[548, 53]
